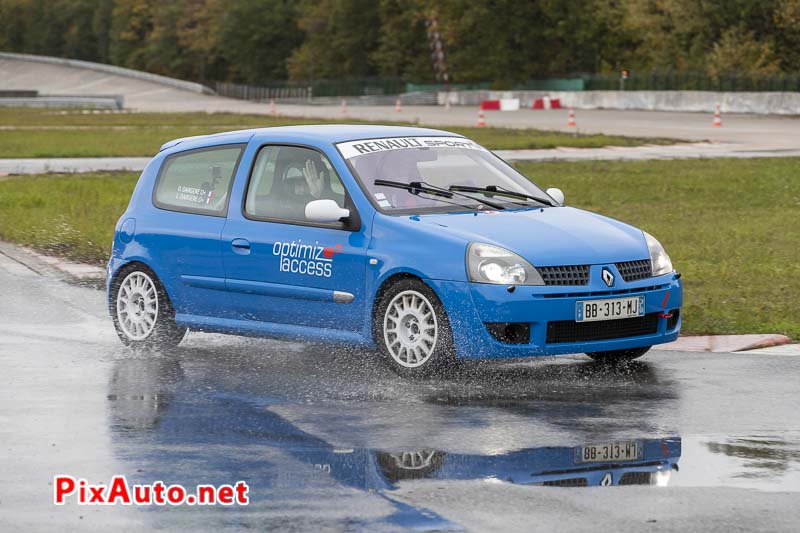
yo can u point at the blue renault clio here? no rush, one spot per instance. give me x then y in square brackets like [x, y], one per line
[417, 242]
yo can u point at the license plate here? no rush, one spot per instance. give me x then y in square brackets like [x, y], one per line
[610, 309]
[611, 452]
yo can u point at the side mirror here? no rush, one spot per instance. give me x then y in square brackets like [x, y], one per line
[556, 194]
[325, 211]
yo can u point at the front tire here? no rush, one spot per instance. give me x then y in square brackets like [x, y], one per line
[413, 331]
[142, 313]
[615, 357]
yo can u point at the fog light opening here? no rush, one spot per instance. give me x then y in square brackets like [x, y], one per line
[672, 320]
[510, 332]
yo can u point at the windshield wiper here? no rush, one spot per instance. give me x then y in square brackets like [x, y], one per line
[416, 187]
[499, 191]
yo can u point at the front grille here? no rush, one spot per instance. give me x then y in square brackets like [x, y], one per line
[605, 293]
[635, 270]
[636, 478]
[565, 275]
[571, 482]
[571, 331]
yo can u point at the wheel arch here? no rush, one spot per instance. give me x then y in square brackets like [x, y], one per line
[384, 286]
[124, 267]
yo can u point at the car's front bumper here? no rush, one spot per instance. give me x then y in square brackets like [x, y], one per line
[471, 306]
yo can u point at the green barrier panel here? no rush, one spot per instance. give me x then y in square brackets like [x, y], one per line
[436, 87]
[557, 84]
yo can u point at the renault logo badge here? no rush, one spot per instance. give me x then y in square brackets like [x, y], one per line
[608, 277]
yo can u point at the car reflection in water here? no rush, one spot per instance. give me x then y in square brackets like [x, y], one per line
[551, 466]
[201, 429]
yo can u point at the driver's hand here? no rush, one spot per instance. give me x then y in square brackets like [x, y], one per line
[313, 179]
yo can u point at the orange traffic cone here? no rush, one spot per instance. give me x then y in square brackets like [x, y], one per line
[481, 119]
[571, 118]
[717, 118]
[272, 107]
[398, 105]
[344, 106]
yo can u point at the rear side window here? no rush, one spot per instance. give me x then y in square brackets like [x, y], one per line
[198, 181]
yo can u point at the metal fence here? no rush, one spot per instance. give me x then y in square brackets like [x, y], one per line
[693, 81]
[262, 93]
[441, 87]
[282, 90]
[377, 88]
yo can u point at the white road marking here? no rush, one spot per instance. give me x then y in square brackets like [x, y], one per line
[787, 350]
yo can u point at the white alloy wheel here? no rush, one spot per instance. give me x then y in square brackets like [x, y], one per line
[410, 329]
[414, 460]
[137, 306]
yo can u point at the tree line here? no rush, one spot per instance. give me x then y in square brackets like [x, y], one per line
[504, 42]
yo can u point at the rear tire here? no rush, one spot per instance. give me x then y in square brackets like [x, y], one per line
[615, 357]
[141, 311]
[413, 332]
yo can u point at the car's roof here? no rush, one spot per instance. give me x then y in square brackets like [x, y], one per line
[336, 133]
[321, 133]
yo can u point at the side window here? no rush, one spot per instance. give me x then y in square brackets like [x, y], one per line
[198, 181]
[286, 178]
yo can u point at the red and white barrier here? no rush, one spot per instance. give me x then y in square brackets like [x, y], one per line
[502, 104]
[546, 103]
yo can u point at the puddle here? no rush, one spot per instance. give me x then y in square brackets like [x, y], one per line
[163, 414]
[769, 463]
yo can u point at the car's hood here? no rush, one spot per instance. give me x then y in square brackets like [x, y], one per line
[549, 236]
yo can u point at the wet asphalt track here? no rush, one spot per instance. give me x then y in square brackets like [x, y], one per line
[329, 440]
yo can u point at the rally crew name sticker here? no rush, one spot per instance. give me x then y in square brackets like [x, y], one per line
[353, 149]
[195, 195]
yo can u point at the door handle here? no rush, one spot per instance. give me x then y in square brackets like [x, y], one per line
[241, 246]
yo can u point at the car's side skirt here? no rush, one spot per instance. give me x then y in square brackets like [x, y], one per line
[273, 330]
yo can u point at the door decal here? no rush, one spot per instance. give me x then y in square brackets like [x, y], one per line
[310, 259]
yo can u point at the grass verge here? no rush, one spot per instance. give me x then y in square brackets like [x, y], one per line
[53, 133]
[68, 215]
[730, 226]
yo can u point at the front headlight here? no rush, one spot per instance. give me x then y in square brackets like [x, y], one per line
[658, 256]
[487, 263]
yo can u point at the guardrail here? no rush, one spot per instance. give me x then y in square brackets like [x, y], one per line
[18, 94]
[62, 100]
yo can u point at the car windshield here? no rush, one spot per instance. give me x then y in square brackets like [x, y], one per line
[450, 163]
